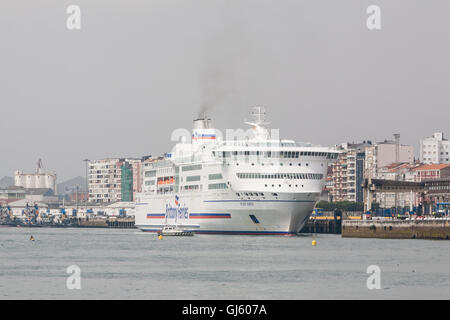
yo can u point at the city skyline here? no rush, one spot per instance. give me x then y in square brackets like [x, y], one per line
[119, 87]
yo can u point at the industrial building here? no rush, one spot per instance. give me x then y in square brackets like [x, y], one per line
[37, 180]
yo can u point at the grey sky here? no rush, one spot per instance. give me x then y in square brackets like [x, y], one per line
[139, 69]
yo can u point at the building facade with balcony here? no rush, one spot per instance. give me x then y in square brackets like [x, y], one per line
[347, 173]
[105, 179]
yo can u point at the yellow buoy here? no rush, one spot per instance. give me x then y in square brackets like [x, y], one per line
[314, 242]
[160, 237]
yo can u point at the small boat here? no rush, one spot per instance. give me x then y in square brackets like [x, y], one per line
[174, 231]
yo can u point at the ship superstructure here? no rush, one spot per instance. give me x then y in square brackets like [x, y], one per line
[246, 185]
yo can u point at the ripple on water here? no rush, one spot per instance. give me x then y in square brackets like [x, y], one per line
[125, 264]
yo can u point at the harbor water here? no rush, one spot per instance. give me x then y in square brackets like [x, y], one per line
[129, 264]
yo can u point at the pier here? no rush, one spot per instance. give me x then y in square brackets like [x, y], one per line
[322, 225]
[110, 222]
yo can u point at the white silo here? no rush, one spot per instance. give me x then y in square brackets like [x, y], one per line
[40, 180]
[29, 181]
[19, 179]
[50, 181]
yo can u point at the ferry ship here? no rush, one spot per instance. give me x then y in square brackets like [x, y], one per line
[246, 185]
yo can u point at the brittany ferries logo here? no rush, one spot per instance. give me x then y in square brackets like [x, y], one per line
[203, 136]
[172, 212]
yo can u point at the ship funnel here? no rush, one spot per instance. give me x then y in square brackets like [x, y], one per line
[202, 123]
[203, 130]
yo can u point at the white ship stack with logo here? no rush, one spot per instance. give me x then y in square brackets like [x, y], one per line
[252, 185]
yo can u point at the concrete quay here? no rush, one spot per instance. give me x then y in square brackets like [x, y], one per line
[427, 228]
[322, 225]
[111, 222]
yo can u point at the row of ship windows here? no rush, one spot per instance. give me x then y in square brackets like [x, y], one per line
[315, 176]
[256, 194]
[214, 176]
[211, 186]
[276, 154]
[272, 164]
[152, 173]
[193, 187]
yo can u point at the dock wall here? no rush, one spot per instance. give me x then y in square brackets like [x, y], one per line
[122, 223]
[397, 229]
[322, 226]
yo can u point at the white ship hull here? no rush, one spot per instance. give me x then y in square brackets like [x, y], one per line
[285, 215]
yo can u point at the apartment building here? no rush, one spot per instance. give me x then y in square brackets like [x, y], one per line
[114, 179]
[435, 149]
[348, 172]
[104, 178]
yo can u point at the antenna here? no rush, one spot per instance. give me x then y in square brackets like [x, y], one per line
[258, 123]
[259, 114]
[39, 166]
